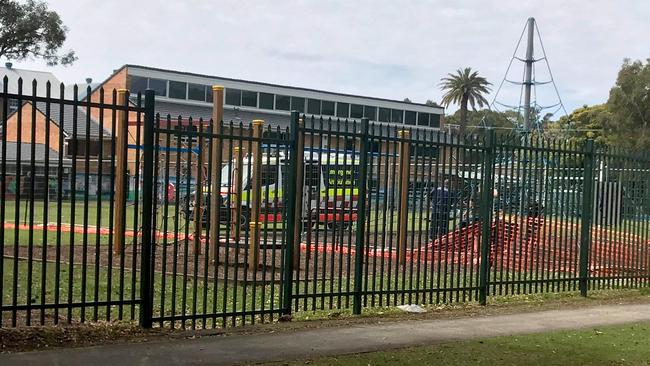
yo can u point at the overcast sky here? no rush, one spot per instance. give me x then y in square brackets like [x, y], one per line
[383, 48]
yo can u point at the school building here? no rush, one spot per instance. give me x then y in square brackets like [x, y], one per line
[180, 95]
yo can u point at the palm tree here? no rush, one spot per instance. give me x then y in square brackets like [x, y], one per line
[463, 88]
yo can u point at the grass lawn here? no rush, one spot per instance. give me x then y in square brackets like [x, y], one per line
[103, 210]
[167, 298]
[617, 345]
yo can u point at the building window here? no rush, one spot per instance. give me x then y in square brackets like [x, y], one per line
[269, 174]
[356, 111]
[349, 144]
[249, 98]
[13, 106]
[298, 104]
[423, 119]
[177, 90]
[196, 92]
[409, 117]
[435, 120]
[384, 115]
[327, 108]
[137, 84]
[208, 94]
[159, 86]
[313, 106]
[374, 146]
[342, 110]
[80, 145]
[266, 100]
[183, 135]
[282, 102]
[370, 112]
[233, 96]
[396, 115]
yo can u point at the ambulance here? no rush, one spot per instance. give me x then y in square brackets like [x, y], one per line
[330, 189]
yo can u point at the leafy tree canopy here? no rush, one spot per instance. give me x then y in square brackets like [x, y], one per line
[30, 30]
[629, 104]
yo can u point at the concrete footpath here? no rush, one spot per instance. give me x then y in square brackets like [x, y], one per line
[227, 350]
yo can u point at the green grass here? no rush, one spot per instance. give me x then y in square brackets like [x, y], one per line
[235, 297]
[617, 345]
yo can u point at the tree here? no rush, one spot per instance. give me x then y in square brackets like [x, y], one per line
[431, 103]
[31, 30]
[587, 122]
[480, 120]
[407, 100]
[465, 88]
[629, 103]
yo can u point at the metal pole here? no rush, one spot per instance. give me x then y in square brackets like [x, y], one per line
[528, 83]
[146, 288]
[402, 213]
[236, 206]
[485, 207]
[299, 192]
[256, 195]
[217, 160]
[361, 216]
[121, 178]
[198, 195]
[587, 214]
[290, 198]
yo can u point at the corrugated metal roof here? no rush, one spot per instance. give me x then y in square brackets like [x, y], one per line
[28, 76]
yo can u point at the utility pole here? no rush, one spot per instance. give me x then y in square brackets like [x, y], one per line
[528, 82]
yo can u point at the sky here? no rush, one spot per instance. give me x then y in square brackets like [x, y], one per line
[380, 48]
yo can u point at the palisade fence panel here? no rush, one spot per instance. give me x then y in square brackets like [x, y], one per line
[112, 212]
[218, 265]
[536, 225]
[67, 258]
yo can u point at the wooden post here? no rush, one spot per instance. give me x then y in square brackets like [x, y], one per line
[402, 214]
[217, 160]
[235, 206]
[121, 157]
[300, 169]
[256, 194]
[198, 196]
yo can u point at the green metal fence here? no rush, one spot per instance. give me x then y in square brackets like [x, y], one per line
[234, 223]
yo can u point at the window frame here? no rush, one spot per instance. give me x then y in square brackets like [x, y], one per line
[177, 83]
[229, 91]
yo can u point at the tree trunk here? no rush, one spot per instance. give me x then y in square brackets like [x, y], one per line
[463, 117]
[462, 127]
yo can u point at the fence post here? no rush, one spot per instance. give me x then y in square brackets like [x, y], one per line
[146, 286]
[402, 214]
[299, 192]
[361, 217]
[290, 205]
[121, 182]
[485, 207]
[236, 209]
[585, 223]
[256, 192]
[217, 159]
[198, 194]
